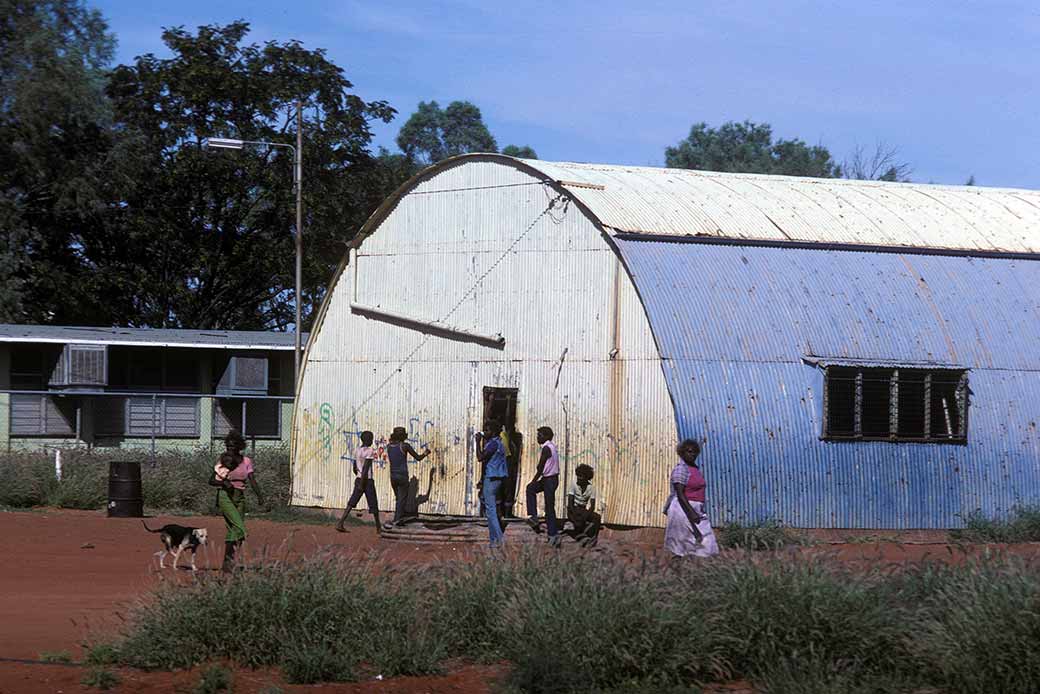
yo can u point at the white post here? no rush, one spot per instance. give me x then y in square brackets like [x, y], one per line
[57, 464]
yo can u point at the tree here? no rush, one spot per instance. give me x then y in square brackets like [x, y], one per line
[749, 148]
[54, 138]
[524, 152]
[882, 164]
[204, 239]
[432, 134]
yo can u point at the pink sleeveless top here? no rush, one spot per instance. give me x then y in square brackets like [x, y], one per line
[694, 490]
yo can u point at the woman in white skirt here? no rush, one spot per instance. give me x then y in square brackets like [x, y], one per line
[688, 531]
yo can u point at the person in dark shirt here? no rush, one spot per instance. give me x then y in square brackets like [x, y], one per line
[397, 452]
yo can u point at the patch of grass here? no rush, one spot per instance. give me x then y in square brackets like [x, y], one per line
[603, 624]
[102, 654]
[580, 625]
[760, 535]
[979, 628]
[1021, 525]
[100, 678]
[816, 613]
[56, 657]
[215, 678]
[787, 677]
[256, 619]
[312, 663]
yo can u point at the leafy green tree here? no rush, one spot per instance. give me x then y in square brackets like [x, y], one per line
[749, 148]
[204, 239]
[432, 134]
[54, 139]
[524, 152]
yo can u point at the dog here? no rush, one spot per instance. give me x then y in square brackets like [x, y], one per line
[176, 539]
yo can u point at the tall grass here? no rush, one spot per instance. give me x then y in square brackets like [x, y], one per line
[767, 534]
[1021, 525]
[588, 623]
[979, 629]
[173, 481]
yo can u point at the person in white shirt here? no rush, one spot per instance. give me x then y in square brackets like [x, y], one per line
[581, 507]
[546, 481]
[363, 482]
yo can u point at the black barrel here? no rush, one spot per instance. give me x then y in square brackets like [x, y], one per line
[125, 497]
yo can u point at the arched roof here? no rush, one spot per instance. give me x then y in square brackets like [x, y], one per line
[680, 202]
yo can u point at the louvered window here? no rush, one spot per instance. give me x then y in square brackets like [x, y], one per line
[42, 415]
[896, 404]
[81, 366]
[167, 417]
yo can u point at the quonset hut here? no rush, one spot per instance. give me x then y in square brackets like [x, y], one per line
[853, 354]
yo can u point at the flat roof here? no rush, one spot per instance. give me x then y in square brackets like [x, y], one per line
[151, 337]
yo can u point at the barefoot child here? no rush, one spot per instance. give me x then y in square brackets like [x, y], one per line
[363, 482]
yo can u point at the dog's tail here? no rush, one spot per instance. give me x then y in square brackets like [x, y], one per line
[149, 529]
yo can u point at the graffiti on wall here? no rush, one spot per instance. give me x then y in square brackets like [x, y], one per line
[326, 423]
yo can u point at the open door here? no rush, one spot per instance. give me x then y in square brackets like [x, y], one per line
[500, 404]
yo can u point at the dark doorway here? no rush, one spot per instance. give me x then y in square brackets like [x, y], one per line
[500, 405]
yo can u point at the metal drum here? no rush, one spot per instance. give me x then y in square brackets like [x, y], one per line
[125, 496]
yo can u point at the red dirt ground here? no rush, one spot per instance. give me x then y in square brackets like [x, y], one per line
[70, 577]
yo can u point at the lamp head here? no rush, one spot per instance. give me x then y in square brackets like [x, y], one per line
[222, 143]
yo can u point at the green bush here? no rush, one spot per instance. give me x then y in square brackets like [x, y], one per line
[56, 657]
[1021, 525]
[174, 481]
[102, 654]
[100, 678]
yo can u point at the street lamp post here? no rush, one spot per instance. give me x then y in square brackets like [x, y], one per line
[226, 143]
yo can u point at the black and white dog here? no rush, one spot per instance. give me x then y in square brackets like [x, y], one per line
[176, 539]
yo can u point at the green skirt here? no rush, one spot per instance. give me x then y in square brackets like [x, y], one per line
[233, 505]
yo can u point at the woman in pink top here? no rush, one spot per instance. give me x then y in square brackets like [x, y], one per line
[688, 531]
[230, 474]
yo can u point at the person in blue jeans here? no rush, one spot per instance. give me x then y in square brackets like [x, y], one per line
[546, 481]
[492, 455]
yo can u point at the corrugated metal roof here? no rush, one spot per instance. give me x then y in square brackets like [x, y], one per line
[680, 202]
[735, 324]
[150, 337]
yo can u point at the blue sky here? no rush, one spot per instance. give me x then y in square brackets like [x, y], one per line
[953, 85]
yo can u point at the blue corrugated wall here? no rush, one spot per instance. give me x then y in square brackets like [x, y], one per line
[734, 325]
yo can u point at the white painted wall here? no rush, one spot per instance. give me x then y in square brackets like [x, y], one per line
[557, 288]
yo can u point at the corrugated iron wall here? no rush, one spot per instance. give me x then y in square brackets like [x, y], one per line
[559, 287]
[734, 324]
